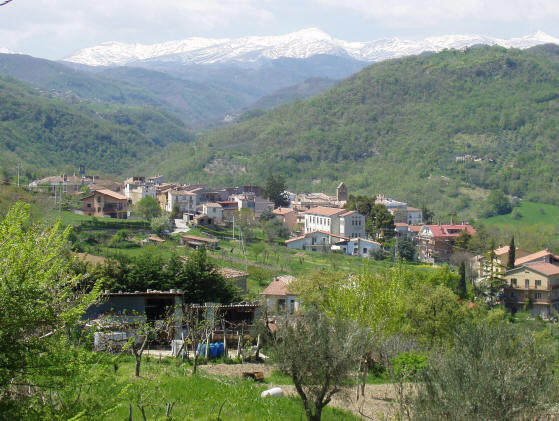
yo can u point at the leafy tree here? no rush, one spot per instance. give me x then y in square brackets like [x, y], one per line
[427, 214]
[201, 282]
[267, 215]
[148, 208]
[41, 301]
[462, 241]
[488, 376]
[320, 354]
[175, 213]
[379, 222]
[275, 190]
[275, 228]
[160, 224]
[405, 249]
[497, 203]
[512, 254]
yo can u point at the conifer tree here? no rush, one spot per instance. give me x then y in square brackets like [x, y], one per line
[512, 254]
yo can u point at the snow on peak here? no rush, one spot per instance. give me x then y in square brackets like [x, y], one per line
[300, 44]
[7, 51]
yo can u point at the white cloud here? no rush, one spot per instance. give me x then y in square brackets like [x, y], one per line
[421, 12]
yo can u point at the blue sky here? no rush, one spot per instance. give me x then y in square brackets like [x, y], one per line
[56, 28]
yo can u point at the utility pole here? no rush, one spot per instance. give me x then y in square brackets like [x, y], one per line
[18, 165]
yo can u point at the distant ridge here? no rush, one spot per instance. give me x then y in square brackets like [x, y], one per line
[301, 44]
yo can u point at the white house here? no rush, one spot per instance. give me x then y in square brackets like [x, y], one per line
[278, 297]
[361, 247]
[186, 201]
[314, 241]
[415, 216]
[335, 221]
[213, 210]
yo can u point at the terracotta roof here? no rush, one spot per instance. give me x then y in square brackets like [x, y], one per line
[301, 237]
[348, 213]
[282, 211]
[112, 194]
[156, 239]
[230, 273]
[409, 208]
[212, 205]
[414, 228]
[502, 250]
[443, 230]
[279, 286]
[181, 193]
[400, 224]
[534, 256]
[325, 211]
[547, 269]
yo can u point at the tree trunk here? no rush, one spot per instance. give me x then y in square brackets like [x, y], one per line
[195, 360]
[138, 362]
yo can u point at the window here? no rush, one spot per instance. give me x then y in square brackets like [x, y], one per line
[538, 283]
[527, 283]
[364, 250]
[89, 205]
[513, 282]
[538, 295]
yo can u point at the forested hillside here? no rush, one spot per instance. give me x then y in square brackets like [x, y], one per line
[434, 129]
[45, 133]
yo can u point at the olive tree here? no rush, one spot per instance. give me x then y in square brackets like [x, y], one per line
[320, 354]
[495, 371]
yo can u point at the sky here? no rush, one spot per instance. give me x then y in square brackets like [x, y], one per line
[55, 29]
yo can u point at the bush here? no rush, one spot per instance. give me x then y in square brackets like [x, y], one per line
[409, 364]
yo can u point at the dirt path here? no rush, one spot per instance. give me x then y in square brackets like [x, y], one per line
[376, 405]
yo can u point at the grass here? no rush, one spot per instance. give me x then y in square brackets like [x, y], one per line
[531, 213]
[198, 397]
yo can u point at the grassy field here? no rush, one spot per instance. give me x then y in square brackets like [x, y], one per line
[527, 213]
[202, 397]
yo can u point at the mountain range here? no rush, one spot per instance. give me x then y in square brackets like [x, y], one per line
[301, 44]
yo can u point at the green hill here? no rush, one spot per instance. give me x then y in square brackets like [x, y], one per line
[433, 129]
[526, 214]
[45, 133]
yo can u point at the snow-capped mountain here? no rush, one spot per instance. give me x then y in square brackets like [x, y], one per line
[7, 51]
[300, 44]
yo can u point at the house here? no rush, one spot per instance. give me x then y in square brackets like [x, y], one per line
[238, 277]
[535, 286]
[361, 247]
[194, 241]
[287, 215]
[185, 201]
[543, 256]
[203, 220]
[229, 207]
[105, 203]
[415, 216]
[214, 211]
[278, 297]
[436, 242]
[341, 192]
[136, 188]
[251, 201]
[315, 241]
[402, 229]
[335, 221]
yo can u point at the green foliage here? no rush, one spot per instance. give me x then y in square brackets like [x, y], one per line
[512, 254]
[379, 222]
[160, 224]
[409, 364]
[49, 133]
[148, 208]
[274, 229]
[41, 302]
[495, 371]
[497, 203]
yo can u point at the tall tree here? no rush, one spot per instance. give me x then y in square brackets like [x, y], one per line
[275, 190]
[40, 301]
[148, 208]
[320, 354]
[512, 254]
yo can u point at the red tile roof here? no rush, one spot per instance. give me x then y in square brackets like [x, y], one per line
[325, 211]
[112, 194]
[444, 230]
[400, 224]
[409, 208]
[279, 286]
[502, 250]
[547, 269]
[202, 239]
[348, 213]
[534, 256]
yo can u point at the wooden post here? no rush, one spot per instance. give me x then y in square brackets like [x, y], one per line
[208, 347]
[258, 347]
[225, 341]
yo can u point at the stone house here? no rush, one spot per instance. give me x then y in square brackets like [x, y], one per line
[105, 203]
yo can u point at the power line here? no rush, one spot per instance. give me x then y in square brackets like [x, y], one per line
[5, 2]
